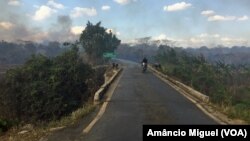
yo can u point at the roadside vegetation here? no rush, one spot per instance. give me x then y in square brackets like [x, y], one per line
[47, 90]
[227, 85]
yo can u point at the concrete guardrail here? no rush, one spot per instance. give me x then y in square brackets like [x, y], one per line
[182, 86]
[100, 93]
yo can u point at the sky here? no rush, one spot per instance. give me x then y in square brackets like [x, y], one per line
[185, 23]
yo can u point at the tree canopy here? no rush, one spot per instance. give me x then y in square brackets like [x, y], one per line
[96, 40]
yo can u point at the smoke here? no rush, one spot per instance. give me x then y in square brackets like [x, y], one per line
[18, 22]
[15, 25]
[61, 30]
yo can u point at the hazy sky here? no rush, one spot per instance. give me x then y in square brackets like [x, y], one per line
[186, 22]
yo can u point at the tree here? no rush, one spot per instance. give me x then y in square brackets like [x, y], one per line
[96, 40]
[45, 88]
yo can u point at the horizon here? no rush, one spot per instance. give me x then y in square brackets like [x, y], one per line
[188, 23]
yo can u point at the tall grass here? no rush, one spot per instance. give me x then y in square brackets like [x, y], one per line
[227, 85]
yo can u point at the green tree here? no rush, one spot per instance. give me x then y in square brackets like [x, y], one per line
[45, 89]
[96, 40]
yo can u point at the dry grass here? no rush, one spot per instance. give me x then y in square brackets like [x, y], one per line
[38, 132]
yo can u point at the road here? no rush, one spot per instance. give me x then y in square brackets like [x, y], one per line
[141, 98]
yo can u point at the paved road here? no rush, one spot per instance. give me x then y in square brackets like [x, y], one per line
[142, 99]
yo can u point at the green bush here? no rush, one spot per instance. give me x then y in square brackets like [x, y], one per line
[45, 89]
[226, 85]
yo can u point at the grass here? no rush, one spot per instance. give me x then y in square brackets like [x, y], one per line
[74, 116]
[45, 129]
[239, 110]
